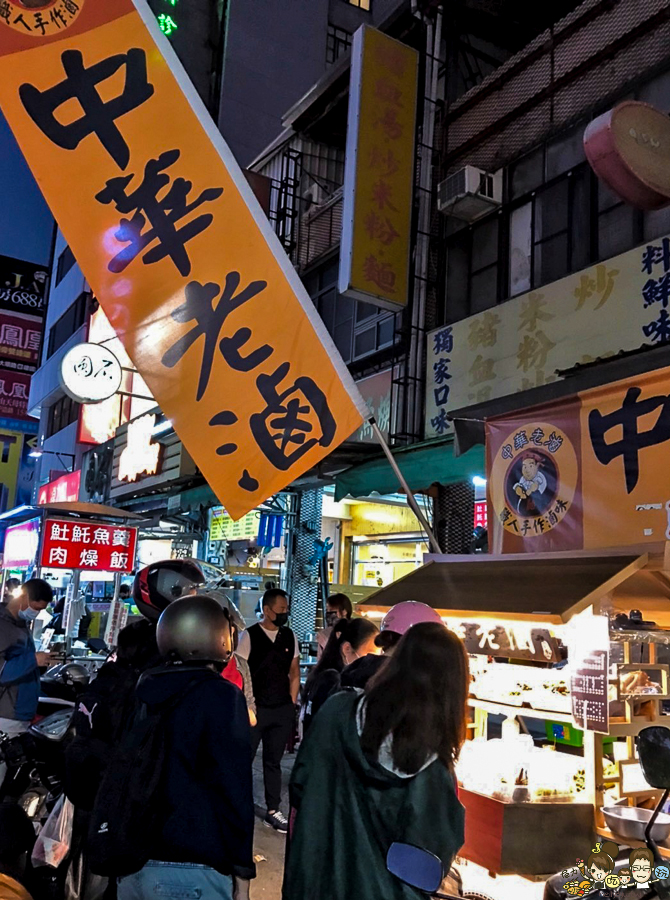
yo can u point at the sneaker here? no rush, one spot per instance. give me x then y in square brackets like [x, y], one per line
[278, 821]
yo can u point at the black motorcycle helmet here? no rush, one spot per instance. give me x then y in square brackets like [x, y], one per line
[195, 629]
[156, 586]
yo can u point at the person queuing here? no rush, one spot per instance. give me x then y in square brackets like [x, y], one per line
[273, 654]
[20, 673]
[11, 585]
[397, 622]
[349, 641]
[338, 607]
[378, 768]
[204, 847]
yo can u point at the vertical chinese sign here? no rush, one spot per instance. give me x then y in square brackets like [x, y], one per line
[174, 244]
[379, 171]
[586, 472]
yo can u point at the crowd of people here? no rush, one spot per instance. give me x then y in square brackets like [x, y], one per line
[160, 768]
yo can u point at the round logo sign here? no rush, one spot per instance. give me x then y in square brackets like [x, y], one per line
[533, 479]
[90, 373]
[40, 18]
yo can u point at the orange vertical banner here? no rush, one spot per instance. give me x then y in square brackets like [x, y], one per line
[379, 174]
[174, 244]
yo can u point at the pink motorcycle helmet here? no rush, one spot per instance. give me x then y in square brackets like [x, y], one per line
[400, 618]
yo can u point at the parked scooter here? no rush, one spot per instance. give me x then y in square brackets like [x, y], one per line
[422, 870]
[36, 760]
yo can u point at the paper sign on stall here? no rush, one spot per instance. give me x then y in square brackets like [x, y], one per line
[174, 244]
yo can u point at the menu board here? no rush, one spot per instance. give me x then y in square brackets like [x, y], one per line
[589, 665]
[223, 528]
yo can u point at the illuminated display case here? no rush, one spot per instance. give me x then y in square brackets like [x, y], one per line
[552, 641]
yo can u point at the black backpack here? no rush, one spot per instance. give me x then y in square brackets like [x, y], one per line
[126, 813]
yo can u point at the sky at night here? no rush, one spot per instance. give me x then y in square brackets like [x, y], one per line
[26, 225]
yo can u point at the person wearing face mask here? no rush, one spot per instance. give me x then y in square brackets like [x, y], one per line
[273, 654]
[338, 607]
[19, 663]
[348, 642]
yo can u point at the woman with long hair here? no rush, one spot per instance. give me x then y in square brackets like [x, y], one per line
[350, 639]
[378, 768]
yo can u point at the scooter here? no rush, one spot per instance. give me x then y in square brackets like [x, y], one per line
[422, 870]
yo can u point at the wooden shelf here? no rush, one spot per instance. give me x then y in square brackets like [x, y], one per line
[506, 709]
[605, 832]
[616, 729]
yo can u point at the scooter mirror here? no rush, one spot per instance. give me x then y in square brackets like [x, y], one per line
[416, 867]
[653, 748]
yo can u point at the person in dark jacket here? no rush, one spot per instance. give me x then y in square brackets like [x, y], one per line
[378, 768]
[273, 654]
[349, 641]
[204, 846]
[397, 621]
[19, 664]
[103, 710]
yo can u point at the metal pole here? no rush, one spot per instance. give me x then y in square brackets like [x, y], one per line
[411, 500]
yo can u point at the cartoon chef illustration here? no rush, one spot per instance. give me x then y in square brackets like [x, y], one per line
[532, 484]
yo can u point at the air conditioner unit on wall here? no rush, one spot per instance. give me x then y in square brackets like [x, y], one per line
[469, 194]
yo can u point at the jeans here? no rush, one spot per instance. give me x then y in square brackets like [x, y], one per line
[274, 730]
[11, 727]
[176, 881]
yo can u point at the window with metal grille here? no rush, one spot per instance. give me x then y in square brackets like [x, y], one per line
[63, 413]
[338, 42]
[358, 329]
[65, 262]
[63, 329]
[361, 4]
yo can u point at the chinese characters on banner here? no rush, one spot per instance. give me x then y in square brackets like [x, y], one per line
[20, 341]
[72, 544]
[379, 173]
[62, 490]
[177, 249]
[442, 345]
[613, 306]
[586, 472]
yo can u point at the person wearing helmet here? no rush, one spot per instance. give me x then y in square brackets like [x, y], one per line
[205, 844]
[158, 585]
[397, 622]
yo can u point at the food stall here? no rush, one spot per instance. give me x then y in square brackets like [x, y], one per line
[569, 656]
[76, 546]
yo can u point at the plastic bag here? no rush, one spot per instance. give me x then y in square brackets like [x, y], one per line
[54, 840]
[80, 883]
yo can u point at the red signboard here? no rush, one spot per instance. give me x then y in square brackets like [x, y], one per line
[20, 340]
[62, 490]
[92, 546]
[21, 545]
[14, 390]
[481, 514]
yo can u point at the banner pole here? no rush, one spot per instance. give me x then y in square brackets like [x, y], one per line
[411, 499]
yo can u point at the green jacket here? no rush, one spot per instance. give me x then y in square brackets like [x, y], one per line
[349, 810]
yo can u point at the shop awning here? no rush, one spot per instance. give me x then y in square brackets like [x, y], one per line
[470, 422]
[422, 465]
[77, 508]
[542, 587]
